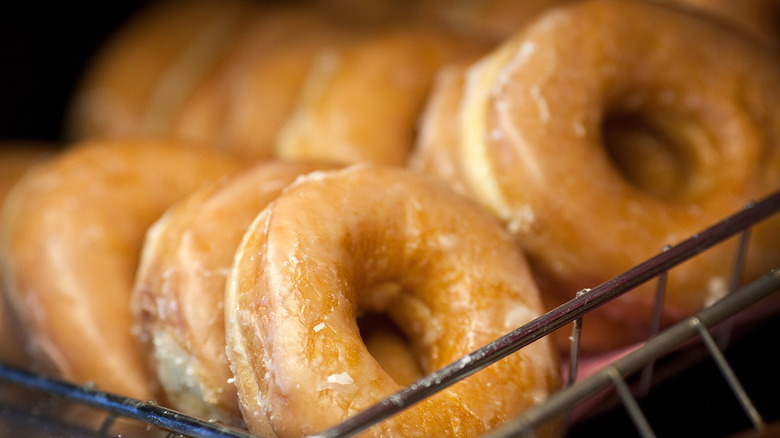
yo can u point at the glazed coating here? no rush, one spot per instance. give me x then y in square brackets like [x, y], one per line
[70, 237]
[179, 290]
[362, 100]
[606, 130]
[339, 244]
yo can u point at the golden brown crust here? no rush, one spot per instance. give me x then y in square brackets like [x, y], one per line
[70, 237]
[378, 239]
[534, 115]
[179, 290]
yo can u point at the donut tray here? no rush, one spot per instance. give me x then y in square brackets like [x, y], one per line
[36, 406]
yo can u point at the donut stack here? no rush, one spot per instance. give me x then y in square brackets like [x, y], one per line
[276, 214]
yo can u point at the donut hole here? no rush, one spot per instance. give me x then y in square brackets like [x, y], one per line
[390, 346]
[646, 155]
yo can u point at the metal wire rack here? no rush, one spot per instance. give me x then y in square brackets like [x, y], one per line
[38, 406]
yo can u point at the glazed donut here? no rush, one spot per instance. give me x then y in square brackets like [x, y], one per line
[335, 245]
[228, 81]
[241, 107]
[70, 237]
[362, 100]
[140, 76]
[608, 129]
[180, 286]
[16, 158]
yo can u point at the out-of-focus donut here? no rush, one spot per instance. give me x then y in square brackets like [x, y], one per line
[377, 239]
[180, 286]
[606, 130]
[140, 76]
[70, 237]
[227, 80]
[241, 107]
[16, 158]
[362, 100]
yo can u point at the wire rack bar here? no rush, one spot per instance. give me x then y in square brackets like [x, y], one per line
[556, 318]
[655, 326]
[728, 374]
[144, 411]
[654, 348]
[642, 425]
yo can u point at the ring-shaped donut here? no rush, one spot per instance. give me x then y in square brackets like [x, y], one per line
[378, 239]
[71, 232]
[605, 131]
[179, 288]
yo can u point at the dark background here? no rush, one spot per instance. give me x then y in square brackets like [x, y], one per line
[44, 47]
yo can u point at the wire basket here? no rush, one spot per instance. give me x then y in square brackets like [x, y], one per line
[37, 406]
